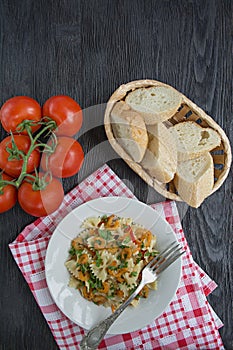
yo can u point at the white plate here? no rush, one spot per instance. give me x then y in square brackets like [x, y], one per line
[85, 313]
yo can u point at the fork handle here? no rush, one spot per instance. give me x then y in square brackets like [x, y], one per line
[92, 339]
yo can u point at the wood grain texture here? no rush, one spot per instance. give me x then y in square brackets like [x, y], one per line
[86, 49]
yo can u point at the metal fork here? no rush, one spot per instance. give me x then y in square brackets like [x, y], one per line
[149, 274]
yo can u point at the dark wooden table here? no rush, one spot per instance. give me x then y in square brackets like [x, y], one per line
[86, 49]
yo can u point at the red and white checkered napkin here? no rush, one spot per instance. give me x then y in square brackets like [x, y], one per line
[188, 322]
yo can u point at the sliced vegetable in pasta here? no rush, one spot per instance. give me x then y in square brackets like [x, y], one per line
[106, 259]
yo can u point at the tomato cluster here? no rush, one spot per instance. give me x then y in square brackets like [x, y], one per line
[30, 167]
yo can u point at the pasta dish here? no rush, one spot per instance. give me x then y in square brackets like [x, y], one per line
[106, 259]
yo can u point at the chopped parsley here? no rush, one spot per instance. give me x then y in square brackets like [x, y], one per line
[151, 253]
[98, 260]
[123, 265]
[139, 258]
[110, 296]
[94, 282]
[120, 245]
[133, 274]
[83, 267]
[154, 253]
[72, 251]
[104, 218]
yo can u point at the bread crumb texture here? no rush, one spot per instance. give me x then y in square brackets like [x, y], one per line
[192, 139]
[154, 98]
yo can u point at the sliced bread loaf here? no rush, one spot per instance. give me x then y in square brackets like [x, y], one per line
[160, 159]
[194, 179]
[193, 140]
[129, 130]
[155, 104]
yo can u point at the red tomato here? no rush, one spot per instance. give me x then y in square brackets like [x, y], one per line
[17, 109]
[8, 194]
[66, 112]
[67, 159]
[13, 167]
[40, 202]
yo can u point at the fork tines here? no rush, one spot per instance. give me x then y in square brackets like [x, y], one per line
[166, 257]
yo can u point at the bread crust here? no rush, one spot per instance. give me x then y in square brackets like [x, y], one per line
[194, 190]
[130, 130]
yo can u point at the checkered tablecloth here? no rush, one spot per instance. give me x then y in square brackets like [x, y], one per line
[188, 322]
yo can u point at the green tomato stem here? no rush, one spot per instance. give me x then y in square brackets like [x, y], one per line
[4, 183]
[25, 157]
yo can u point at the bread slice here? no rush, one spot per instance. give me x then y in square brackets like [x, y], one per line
[155, 104]
[194, 179]
[160, 159]
[193, 140]
[129, 129]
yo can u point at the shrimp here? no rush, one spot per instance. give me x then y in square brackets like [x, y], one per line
[110, 271]
[119, 275]
[147, 238]
[105, 288]
[77, 242]
[83, 276]
[112, 222]
[126, 253]
[83, 259]
[88, 296]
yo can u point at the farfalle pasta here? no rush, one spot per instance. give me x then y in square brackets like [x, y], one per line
[106, 259]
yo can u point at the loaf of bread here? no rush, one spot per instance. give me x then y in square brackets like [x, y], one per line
[160, 159]
[194, 179]
[193, 140]
[129, 129]
[155, 104]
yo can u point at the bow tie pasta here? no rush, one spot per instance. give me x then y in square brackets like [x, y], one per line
[106, 259]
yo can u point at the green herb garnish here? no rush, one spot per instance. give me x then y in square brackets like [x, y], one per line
[72, 251]
[83, 267]
[133, 274]
[98, 260]
[94, 282]
[112, 268]
[79, 252]
[123, 264]
[104, 218]
[105, 234]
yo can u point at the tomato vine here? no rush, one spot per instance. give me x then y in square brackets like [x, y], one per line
[48, 125]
